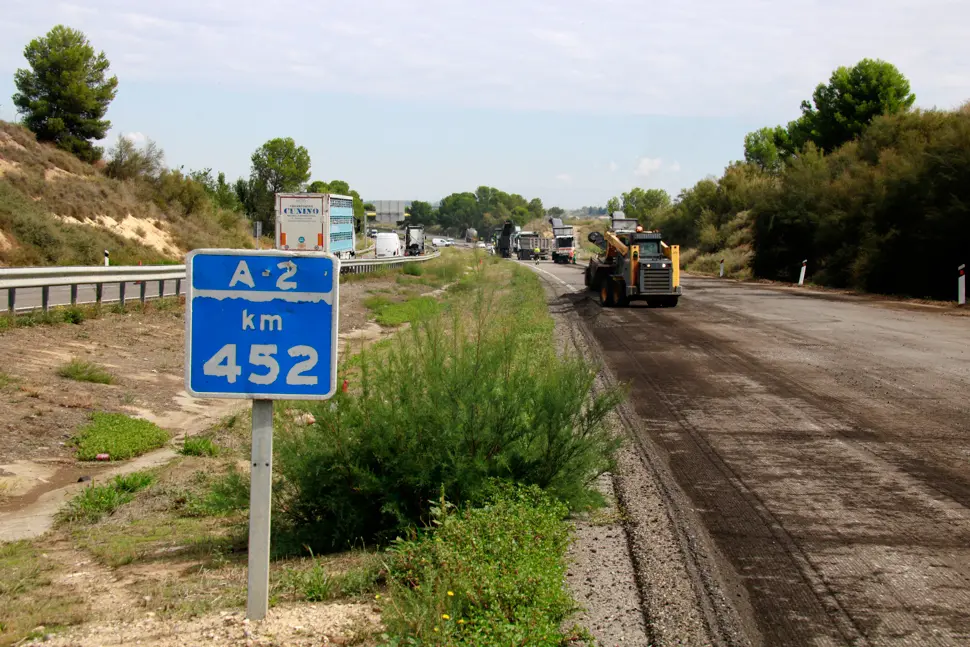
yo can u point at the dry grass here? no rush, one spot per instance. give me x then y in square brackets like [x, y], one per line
[49, 201]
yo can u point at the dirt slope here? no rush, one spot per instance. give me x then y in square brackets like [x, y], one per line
[57, 210]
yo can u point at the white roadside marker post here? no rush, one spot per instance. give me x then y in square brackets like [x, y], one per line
[722, 268]
[962, 284]
[801, 275]
[106, 258]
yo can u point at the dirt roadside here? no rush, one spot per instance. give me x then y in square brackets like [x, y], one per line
[645, 572]
[143, 350]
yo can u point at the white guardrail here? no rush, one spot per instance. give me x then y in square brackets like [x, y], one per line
[45, 278]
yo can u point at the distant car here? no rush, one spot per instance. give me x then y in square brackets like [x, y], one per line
[371, 233]
[481, 245]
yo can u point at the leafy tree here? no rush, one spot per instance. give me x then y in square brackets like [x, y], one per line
[643, 204]
[369, 207]
[64, 95]
[521, 215]
[253, 197]
[422, 213]
[853, 97]
[222, 193]
[127, 162]
[459, 211]
[761, 148]
[318, 186]
[339, 187]
[536, 210]
[279, 166]
[612, 205]
[555, 212]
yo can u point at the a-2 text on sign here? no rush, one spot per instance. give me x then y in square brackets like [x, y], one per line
[261, 324]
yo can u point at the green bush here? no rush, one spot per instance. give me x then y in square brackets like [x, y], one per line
[453, 404]
[228, 494]
[492, 575]
[319, 584]
[413, 269]
[119, 436]
[97, 501]
[84, 371]
[198, 446]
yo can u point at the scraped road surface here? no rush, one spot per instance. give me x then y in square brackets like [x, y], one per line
[823, 443]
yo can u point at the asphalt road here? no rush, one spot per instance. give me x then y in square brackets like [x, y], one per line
[822, 443]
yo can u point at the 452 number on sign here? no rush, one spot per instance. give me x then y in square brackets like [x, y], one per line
[264, 369]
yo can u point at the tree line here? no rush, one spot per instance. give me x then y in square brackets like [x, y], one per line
[483, 209]
[63, 96]
[872, 193]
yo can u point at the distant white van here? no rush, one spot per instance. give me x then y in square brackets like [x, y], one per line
[388, 244]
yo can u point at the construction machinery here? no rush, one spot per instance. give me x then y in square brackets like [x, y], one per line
[525, 244]
[414, 240]
[563, 251]
[634, 265]
[504, 245]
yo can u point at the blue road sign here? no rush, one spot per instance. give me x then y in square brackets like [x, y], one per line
[261, 324]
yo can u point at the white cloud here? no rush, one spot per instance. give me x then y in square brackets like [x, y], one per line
[565, 178]
[705, 57]
[647, 166]
[613, 167]
[136, 138]
[675, 167]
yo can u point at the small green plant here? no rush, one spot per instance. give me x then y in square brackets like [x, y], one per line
[413, 269]
[74, 315]
[97, 501]
[491, 575]
[119, 436]
[411, 310]
[319, 584]
[226, 495]
[85, 371]
[199, 446]
[7, 380]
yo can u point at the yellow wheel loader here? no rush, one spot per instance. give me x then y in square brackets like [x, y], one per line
[634, 265]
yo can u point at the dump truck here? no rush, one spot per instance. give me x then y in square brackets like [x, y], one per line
[634, 265]
[563, 250]
[414, 240]
[528, 243]
[504, 243]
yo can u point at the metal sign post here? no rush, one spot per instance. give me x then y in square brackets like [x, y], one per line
[261, 325]
[962, 284]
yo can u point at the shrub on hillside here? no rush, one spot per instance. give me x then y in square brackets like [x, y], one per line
[451, 406]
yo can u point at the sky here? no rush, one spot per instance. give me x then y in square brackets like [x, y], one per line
[572, 101]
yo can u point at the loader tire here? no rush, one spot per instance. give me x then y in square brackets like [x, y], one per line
[606, 294]
[620, 298]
